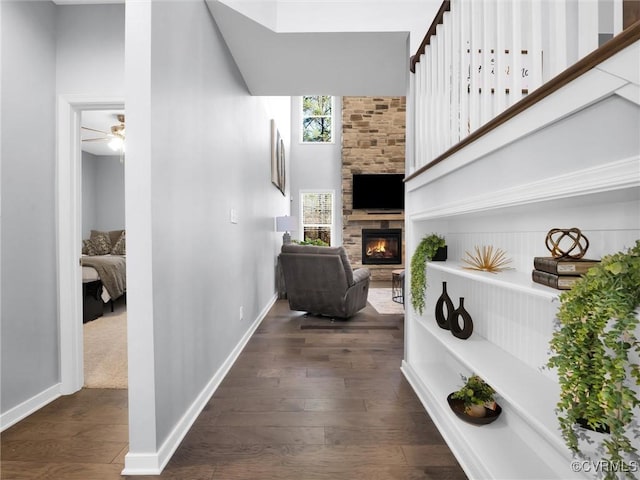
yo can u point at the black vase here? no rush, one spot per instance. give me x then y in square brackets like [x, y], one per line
[444, 302]
[441, 254]
[460, 314]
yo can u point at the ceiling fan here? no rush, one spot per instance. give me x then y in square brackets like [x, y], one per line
[115, 137]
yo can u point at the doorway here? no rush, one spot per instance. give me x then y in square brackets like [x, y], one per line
[69, 232]
[103, 249]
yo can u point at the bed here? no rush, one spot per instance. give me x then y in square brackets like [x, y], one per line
[104, 271]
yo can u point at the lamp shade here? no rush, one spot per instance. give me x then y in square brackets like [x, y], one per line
[286, 224]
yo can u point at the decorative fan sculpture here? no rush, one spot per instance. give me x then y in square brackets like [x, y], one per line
[487, 259]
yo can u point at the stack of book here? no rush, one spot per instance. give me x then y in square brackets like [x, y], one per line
[560, 273]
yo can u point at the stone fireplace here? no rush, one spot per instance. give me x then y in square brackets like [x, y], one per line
[381, 246]
[373, 141]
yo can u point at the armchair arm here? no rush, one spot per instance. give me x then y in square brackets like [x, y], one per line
[360, 274]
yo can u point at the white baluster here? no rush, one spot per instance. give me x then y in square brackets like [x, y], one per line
[487, 97]
[430, 130]
[587, 27]
[465, 65]
[475, 52]
[503, 63]
[515, 90]
[535, 52]
[424, 107]
[456, 73]
[558, 31]
[447, 72]
[440, 89]
[617, 17]
[415, 96]
[413, 144]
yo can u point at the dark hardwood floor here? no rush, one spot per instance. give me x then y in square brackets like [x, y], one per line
[308, 398]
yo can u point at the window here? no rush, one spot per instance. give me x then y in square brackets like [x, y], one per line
[317, 119]
[317, 215]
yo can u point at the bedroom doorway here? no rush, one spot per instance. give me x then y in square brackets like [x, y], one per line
[70, 232]
[103, 258]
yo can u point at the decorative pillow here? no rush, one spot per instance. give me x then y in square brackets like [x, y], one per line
[114, 236]
[120, 247]
[88, 248]
[101, 242]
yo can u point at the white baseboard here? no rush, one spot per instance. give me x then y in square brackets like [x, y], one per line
[29, 406]
[153, 463]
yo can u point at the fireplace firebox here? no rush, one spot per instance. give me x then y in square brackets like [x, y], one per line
[382, 246]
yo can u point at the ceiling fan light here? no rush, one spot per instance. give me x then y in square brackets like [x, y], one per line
[116, 144]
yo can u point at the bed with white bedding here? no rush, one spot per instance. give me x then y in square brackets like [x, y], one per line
[104, 272]
[110, 270]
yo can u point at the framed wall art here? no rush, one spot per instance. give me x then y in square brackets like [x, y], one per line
[278, 164]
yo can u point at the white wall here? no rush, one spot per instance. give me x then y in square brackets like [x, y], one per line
[46, 50]
[89, 194]
[316, 166]
[29, 330]
[90, 49]
[201, 146]
[102, 193]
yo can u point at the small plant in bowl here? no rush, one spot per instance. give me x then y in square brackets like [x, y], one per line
[477, 396]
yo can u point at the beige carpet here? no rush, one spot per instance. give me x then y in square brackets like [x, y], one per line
[380, 299]
[105, 351]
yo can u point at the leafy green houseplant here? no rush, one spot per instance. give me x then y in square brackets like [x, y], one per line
[424, 252]
[475, 393]
[595, 349]
[316, 242]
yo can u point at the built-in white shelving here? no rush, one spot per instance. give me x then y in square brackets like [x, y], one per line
[510, 279]
[527, 395]
[541, 170]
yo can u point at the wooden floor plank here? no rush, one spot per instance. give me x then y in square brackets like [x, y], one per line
[308, 398]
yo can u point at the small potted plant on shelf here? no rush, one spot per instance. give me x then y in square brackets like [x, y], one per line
[431, 247]
[477, 396]
[595, 349]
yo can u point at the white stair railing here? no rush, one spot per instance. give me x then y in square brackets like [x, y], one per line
[481, 56]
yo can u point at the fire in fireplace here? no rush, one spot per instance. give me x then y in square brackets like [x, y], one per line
[382, 246]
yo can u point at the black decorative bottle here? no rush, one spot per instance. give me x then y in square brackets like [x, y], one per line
[444, 303]
[460, 314]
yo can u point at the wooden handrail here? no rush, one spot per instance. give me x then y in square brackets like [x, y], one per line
[444, 7]
[621, 41]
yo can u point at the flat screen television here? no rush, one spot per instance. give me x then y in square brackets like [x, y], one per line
[378, 191]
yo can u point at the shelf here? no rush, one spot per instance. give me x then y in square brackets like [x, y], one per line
[509, 279]
[526, 390]
[490, 451]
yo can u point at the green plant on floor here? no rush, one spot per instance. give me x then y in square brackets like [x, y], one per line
[316, 242]
[595, 349]
[424, 252]
[475, 391]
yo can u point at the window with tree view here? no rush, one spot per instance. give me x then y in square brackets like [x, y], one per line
[317, 119]
[317, 216]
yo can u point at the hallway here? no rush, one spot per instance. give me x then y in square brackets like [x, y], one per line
[307, 399]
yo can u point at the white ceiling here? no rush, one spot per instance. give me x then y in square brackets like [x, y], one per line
[98, 120]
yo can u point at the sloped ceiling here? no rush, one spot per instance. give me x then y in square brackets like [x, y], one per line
[348, 62]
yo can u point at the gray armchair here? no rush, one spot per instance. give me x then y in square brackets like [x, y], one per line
[320, 280]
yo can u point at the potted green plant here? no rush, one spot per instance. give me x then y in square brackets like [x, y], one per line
[317, 242]
[425, 251]
[477, 396]
[595, 349]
